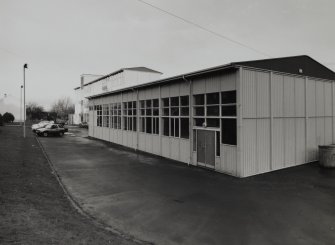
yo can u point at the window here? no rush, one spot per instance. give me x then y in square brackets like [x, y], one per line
[105, 115]
[129, 116]
[228, 101]
[149, 116]
[99, 115]
[175, 116]
[217, 143]
[115, 115]
[228, 131]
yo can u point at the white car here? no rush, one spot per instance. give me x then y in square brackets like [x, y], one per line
[41, 124]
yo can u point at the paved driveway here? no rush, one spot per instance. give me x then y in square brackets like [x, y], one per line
[165, 202]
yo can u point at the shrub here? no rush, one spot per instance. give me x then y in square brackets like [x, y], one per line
[8, 117]
[1, 122]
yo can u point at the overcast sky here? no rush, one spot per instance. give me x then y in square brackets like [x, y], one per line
[60, 40]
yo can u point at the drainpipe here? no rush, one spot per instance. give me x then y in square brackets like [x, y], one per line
[190, 120]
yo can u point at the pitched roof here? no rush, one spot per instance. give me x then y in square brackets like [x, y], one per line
[300, 65]
[141, 68]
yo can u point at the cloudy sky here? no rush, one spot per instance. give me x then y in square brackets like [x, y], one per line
[60, 40]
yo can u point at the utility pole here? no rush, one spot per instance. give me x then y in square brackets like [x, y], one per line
[21, 105]
[25, 66]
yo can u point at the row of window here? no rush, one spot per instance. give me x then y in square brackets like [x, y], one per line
[216, 110]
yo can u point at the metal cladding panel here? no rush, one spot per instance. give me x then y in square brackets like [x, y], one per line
[174, 89]
[320, 99]
[300, 141]
[148, 143]
[263, 145]
[90, 121]
[278, 95]
[263, 94]
[141, 141]
[228, 160]
[299, 96]
[328, 99]
[119, 137]
[289, 141]
[320, 131]
[165, 146]
[328, 131]
[213, 84]
[165, 91]
[248, 94]
[184, 88]
[155, 92]
[199, 86]
[289, 96]
[125, 138]
[228, 82]
[156, 145]
[311, 101]
[184, 150]
[249, 154]
[311, 140]
[174, 144]
[278, 144]
[105, 134]
[148, 93]
[142, 94]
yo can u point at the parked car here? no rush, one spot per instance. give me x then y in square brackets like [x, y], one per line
[50, 129]
[83, 125]
[41, 124]
[63, 126]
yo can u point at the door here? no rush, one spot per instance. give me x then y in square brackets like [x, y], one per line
[206, 148]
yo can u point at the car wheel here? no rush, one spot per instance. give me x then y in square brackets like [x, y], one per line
[45, 134]
[61, 134]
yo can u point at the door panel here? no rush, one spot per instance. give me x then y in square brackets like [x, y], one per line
[201, 146]
[210, 148]
[206, 147]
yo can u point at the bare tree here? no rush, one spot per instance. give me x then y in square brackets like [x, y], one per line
[62, 108]
[34, 111]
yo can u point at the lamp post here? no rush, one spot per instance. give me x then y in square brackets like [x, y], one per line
[25, 66]
[21, 104]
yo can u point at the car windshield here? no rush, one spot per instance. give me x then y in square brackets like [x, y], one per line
[48, 126]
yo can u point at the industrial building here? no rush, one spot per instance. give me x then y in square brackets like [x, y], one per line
[242, 119]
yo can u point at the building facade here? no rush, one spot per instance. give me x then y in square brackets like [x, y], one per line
[242, 119]
[96, 84]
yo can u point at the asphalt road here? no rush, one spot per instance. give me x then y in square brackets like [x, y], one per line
[165, 202]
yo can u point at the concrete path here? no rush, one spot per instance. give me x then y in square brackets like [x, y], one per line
[165, 202]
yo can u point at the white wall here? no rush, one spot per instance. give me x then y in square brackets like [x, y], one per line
[281, 126]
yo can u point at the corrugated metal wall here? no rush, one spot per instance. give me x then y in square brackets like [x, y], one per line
[283, 127]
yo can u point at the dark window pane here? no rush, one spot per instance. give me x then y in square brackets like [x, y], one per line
[142, 112]
[130, 104]
[166, 102]
[156, 125]
[125, 123]
[217, 143]
[174, 101]
[194, 140]
[228, 131]
[155, 112]
[134, 111]
[184, 127]
[142, 104]
[148, 103]
[213, 110]
[199, 99]
[228, 97]
[155, 103]
[134, 104]
[148, 125]
[199, 121]
[135, 125]
[184, 101]
[172, 126]
[130, 111]
[213, 122]
[228, 110]
[176, 127]
[166, 111]
[213, 98]
[174, 111]
[166, 126]
[142, 124]
[184, 111]
[199, 111]
[148, 112]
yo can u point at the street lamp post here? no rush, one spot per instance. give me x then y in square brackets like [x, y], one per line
[21, 104]
[25, 66]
